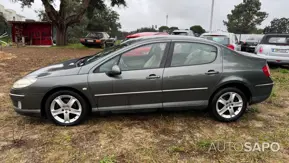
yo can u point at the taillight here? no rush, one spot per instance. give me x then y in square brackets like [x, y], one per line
[266, 70]
[230, 46]
[261, 50]
[82, 40]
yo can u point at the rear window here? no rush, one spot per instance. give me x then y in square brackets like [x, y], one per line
[276, 40]
[224, 40]
[279, 40]
[180, 33]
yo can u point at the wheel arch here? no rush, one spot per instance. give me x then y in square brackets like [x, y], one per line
[62, 88]
[242, 86]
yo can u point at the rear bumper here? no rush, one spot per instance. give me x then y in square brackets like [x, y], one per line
[261, 92]
[276, 59]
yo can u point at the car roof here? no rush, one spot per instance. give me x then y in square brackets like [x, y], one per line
[218, 33]
[142, 34]
[175, 38]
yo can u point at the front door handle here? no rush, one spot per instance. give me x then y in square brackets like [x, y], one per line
[153, 76]
[212, 72]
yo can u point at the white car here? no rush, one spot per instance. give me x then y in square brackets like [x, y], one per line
[274, 48]
[228, 39]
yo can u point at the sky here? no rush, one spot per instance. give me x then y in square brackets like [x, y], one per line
[181, 13]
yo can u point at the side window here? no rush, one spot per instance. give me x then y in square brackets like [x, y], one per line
[144, 57]
[186, 54]
[107, 65]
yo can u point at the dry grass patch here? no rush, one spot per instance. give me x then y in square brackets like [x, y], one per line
[184, 136]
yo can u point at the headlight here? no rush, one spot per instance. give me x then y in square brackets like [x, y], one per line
[24, 82]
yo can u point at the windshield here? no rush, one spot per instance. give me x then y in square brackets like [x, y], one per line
[98, 35]
[103, 53]
[224, 40]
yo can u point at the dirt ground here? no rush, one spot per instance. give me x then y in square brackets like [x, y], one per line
[150, 137]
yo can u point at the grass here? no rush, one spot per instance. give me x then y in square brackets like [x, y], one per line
[151, 137]
[72, 46]
[108, 159]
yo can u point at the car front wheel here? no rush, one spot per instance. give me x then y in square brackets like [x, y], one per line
[66, 108]
[228, 104]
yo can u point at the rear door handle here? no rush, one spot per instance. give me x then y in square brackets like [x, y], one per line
[212, 72]
[153, 76]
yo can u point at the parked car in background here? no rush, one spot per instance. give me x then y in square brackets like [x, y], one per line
[227, 39]
[250, 44]
[183, 32]
[97, 39]
[274, 48]
[144, 50]
[178, 71]
[142, 34]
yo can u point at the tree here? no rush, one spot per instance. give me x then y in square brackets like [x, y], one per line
[245, 17]
[70, 12]
[198, 29]
[3, 24]
[172, 29]
[144, 29]
[164, 28]
[278, 26]
[104, 20]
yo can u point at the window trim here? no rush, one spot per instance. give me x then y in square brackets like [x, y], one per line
[162, 64]
[171, 51]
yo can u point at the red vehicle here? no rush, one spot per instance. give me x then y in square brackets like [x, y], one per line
[142, 34]
[144, 50]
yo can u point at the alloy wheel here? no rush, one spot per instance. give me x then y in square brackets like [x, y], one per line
[229, 105]
[66, 109]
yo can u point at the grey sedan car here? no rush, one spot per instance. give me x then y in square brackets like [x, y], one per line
[154, 72]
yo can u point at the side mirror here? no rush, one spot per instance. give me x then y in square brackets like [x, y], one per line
[115, 70]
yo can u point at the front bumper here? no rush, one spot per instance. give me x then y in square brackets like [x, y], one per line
[26, 104]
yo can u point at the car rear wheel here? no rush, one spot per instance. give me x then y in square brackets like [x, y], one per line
[228, 105]
[66, 108]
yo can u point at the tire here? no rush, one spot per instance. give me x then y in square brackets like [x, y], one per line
[76, 113]
[217, 106]
[103, 46]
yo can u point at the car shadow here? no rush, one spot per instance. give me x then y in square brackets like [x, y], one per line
[276, 66]
[134, 115]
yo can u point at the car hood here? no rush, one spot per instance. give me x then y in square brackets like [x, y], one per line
[61, 69]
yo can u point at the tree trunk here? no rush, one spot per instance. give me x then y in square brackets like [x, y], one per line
[61, 35]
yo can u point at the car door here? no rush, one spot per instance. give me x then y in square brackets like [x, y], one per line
[192, 70]
[139, 84]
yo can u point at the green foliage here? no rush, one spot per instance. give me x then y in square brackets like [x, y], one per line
[278, 26]
[172, 29]
[104, 20]
[144, 29]
[72, 46]
[198, 29]
[3, 24]
[164, 28]
[283, 71]
[245, 17]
